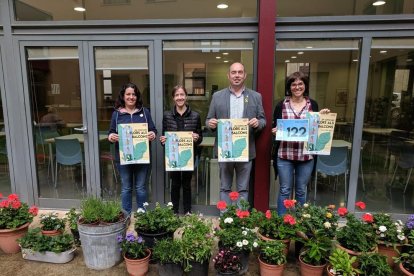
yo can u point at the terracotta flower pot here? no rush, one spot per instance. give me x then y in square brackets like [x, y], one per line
[8, 238]
[271, 270]
[138, 267]
[286, 242]
[51, 233]
[389, 252]
[405, 271]
[310, 270]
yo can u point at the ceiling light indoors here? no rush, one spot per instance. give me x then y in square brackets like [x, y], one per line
[218, 57]
[355, 60]
[222, 6]
[287, 61]
[383, 52]
[293, 57]
[225, 54]
[309, 47]
[226, 61]
[300, 53]
[79, 9]
[378, 3]
[409, 59]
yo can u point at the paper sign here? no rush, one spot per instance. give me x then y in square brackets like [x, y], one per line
[179, 151]
[292, 130]
[133, 143]
[321, 129]
[233, 140]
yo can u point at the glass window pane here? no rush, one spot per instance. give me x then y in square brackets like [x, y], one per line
[202, 65]
[46, 10]
[388, 126]
[55, 99]
[5, 184]
[116, 66]
[332, 67]
[301, 8]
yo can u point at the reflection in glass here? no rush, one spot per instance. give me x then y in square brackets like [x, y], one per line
[332, 75]
[203, 65]
[388, 126]
[5, 184]
[46, 10]
[286, 8]
[55, 100]
[116, 66]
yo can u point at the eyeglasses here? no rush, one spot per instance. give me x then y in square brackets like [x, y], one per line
[300, 84]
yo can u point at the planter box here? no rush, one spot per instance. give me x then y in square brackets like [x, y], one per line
[48, 256]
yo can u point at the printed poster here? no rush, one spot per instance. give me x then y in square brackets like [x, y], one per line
[292, 130]
[321, 129]
[233, 140]
[179, 151]
[133, 143]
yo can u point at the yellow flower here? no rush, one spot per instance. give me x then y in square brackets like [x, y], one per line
[328, 215]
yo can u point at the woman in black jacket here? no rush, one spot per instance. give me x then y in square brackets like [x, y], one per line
[181, 118]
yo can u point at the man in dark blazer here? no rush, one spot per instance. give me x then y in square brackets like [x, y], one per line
[236, 102]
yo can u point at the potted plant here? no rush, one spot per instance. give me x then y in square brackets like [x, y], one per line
[52, 225]
[227, 263]
[72, 218]
[272, 258]
[271, 226]
[406, 258]
[15, 217]
[52, 249]
[341, 263]
[168, 253]
[390, 235]
[356, 236]
[99, 224]
[158, 223]
[314, 254]
[197, 243]
[135, 253]
[374, 264]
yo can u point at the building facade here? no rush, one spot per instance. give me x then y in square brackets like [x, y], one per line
[63, 63]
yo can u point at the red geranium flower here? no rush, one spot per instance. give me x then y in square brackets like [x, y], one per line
[288, 219]
[342, 211]
[4, 203]
[360, 205]
[13, 197]
[234, 196]
[242, 214]
[289, 203]
[221, 205]
[15, 204]
[368, 218]
[268, 214]
[33, 210]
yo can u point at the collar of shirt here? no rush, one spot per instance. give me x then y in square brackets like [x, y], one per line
[242, 91]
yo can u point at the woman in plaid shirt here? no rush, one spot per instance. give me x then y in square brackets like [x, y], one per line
[291, 164]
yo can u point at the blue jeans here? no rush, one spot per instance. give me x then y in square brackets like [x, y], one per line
[133, 175]
[227, 170]
[293, 172]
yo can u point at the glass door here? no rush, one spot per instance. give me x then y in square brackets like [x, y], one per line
[72, 88]
[113, 65]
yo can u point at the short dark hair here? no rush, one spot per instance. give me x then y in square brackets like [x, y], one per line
[120, 102]
[179, 86]
[297, 76]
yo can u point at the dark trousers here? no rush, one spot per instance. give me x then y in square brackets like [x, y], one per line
[179, 179]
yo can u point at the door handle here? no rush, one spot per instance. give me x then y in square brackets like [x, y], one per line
[84, 129]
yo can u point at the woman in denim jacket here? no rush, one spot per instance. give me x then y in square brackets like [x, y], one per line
[129, 109]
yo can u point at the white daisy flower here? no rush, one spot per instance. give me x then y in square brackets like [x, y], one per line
[244, 233]
[382, 228]
[382, 235]
[145, 204]
[170, 204]
[245, 242]
[255, 244]
[306, 205]
[140, 210]
[228, 220]
[239, 244]
[401, 237]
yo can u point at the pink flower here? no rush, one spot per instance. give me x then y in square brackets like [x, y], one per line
[289, 203]
[288, 219]
[368, 218]
[34, 210]
[342, 211]
[221, 205]
[268, 214]
[13, 197]
[361, 205]
[234, 196]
